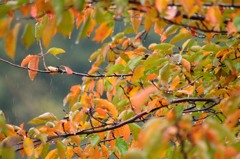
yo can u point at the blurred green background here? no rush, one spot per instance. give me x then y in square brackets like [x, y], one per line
[22, 99]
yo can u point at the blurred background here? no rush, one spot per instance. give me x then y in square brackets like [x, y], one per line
[22, 99]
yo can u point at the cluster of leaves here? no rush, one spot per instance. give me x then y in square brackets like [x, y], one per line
[178, 98]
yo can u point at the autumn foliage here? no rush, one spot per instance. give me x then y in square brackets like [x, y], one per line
[176, 98]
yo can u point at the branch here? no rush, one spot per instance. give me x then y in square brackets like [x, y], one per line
[135, 118]
[61, 71]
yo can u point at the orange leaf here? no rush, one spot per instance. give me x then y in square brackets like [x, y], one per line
[4, 26]
[11, 41]
[161, 5]
[175, 83]
[186, 64]
[26, 60]
[214, 15]
[105, 104]
[51, 154]
[28, 146]
[100, 86]
[126, 132]
[151, 77]
[33, 64]
[187, 90]
[187, 5]
[105, 151]
[139, 99]
[138, 73]
[68, 70]
[102, 32]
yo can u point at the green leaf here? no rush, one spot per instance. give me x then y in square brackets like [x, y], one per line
[43, 118]
[84, 29]
[95, 140]
[164, 47]
[122, 145]
[55, 51]
[236, 22]
[135, 129]
[179, 37]
[40, 26]
[79, 5]
[164, 73]
[28, 36]
[66, 24]
[61, 148]
[133, 62]
[4, 9]
[45, 150]
[7, 153]
[115, 68]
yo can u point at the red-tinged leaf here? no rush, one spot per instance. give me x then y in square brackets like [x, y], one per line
[171, 13]
[214, 15]
[68, 70]
[100, 86]
[28, 146]
[33, 65]
[102, 32]
[186, 64]
[140, 98]
[11, 41]
[33, 11]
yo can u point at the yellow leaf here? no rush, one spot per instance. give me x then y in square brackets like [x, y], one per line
[102, 103]
[28, 146]
[135, 18]
[175, 83]
[138, 73]
[55, 51]
[11, 41]
[69, 152]
[187, 90]
[100, 86]
[102, 32]
[38, 150]
[51, 154]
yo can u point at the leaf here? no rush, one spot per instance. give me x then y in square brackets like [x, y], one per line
[4, 26]
[105, 151]
[135, 18]
[26, 60]
[33, 64]
[66, 24]
[11, 41]
[214, 15]
[28, 36]
[68, 70]
[236, 22]
[161, 5]
[8, 153]
[186, 64]
[135, 129]
[164, 74]
[138, 73]
[55, 51]
[140, 98]
[52, 154]
[122, 145]
[61, 148]
[49, 32]
[95, 140]
[187, 5]
[103, 31]
[105, 104]
[28, 146]
[43, 118]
